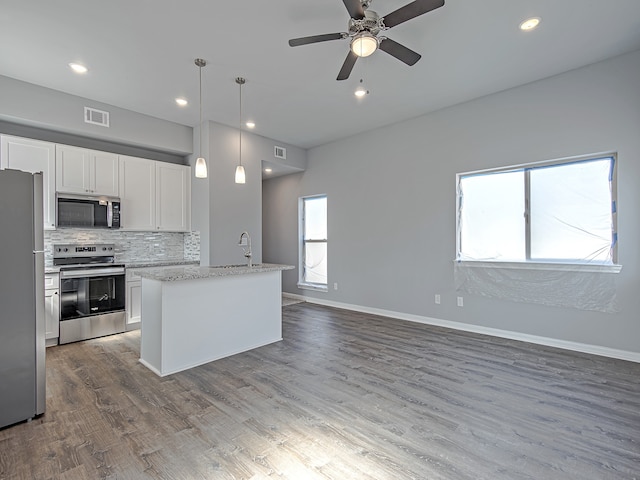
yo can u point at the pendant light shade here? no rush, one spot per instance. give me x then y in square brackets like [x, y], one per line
[201, 163]
[201, 168]
[240, 175]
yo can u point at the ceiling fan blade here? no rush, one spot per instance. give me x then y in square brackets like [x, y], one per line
[399, 51]
[296, 42]
[411, 10]
[354, 7]
[347, 66]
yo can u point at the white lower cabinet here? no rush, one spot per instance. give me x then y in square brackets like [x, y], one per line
[52, 308]
[133, 300]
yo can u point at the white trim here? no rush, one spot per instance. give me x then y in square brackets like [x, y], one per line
[494, 332]
[553, 266]
[293, 296]
[544, 163]
[313, 286]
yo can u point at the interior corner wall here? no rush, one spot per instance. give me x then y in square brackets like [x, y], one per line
[392, 202]
[200, 190]
[234, 208]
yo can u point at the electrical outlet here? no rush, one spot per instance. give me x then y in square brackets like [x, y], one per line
[437, 299]
[335, 285]
[460, 302]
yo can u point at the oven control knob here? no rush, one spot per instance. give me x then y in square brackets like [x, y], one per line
[104, 248]
[66, 249]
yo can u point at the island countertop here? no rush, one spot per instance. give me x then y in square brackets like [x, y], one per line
[192, 272]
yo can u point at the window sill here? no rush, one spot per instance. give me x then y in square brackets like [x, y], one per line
[552, 266]
[312, 286]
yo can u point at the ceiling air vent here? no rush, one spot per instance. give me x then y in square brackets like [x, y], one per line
[280, 152]
[96, 117]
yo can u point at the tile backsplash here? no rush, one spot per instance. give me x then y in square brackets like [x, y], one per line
[130, 246]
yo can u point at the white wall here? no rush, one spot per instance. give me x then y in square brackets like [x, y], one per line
[391, 200]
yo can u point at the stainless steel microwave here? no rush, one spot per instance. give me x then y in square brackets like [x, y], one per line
[87, 212]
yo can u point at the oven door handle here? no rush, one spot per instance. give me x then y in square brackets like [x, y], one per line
[93, 272]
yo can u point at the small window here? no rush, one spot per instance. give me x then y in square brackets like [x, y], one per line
[313, 248]
[559, 212]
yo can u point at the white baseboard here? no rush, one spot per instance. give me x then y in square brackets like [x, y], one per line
[495, 332]
[293, 296]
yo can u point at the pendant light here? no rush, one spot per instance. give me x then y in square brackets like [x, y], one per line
[201, 163]
[240, 175]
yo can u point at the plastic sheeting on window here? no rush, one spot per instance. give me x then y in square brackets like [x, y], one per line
[542, 234]
[585, 290]
[561, 212]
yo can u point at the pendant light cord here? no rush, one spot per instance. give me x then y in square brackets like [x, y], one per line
[240, 125]
[200, 125]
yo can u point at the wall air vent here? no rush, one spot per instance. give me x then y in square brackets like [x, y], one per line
[96, 117]
[280, 152]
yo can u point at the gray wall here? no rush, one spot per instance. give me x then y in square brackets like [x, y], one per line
[232, 208]
[27, 104]
[391, 200]
[200, 202]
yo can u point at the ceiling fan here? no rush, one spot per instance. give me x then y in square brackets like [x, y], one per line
[364, 28]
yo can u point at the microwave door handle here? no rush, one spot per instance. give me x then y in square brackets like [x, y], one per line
[109, 214]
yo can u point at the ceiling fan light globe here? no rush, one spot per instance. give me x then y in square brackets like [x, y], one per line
[364, 44]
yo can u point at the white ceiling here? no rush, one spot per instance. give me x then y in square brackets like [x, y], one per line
[141, 56]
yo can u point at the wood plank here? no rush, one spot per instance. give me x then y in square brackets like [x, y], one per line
[344, 396]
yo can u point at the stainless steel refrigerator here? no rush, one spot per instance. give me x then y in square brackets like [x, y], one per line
[22, 320]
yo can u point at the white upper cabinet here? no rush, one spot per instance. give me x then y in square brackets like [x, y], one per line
[173, 197]
[137, 193]
[154, 195]
[33, 156]
[82, 171]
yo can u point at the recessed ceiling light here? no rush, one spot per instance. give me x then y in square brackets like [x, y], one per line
[530, 24]
[76, 67]
[181, 101]
[250, 124]
[268, 170]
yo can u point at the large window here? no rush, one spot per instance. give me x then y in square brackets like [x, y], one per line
[560, 212]
[313, 248]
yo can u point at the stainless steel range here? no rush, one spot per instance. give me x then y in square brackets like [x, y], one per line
[92, 291]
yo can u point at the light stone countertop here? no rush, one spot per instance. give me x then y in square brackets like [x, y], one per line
[192, 272]
[161, 263]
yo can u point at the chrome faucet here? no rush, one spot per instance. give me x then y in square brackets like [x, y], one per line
[247, 251]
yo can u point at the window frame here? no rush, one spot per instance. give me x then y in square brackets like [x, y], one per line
[546, 264]
[302, 242]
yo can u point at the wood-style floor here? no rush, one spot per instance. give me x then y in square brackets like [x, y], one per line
[344, 396]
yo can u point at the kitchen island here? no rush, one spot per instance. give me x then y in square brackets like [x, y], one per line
[192, 315]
